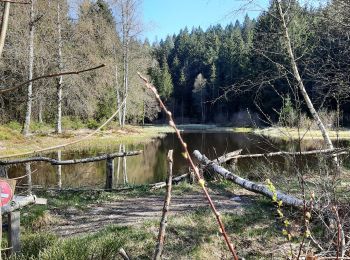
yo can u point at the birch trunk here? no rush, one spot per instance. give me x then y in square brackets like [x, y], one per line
[4, 25]
[301, 86]
[246, 184]
[118, 95]
[126, 19]
[126, 76]
[40, 112]
[60, 78]
[30, 71]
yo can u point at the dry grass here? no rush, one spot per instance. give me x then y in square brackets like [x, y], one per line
[12, 142]
[306, 134]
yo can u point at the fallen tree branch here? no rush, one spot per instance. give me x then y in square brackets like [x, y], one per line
[281, 153]
[246, 184]
[175, 180]
[49, 76]
[164, 220]
[228, 157]
[73, 161]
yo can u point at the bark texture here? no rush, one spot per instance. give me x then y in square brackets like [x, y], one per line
[246, 184]
[4, 25]
[164, 219]
[30, 71]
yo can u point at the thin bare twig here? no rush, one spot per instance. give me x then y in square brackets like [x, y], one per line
[49, 76]
[191, 163]
[164, 220]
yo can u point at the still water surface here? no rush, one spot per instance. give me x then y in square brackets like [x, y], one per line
[150, 167]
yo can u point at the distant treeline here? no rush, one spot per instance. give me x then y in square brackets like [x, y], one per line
[231, 75]
[236, 73]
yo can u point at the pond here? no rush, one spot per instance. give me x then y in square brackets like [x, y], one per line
[151, 165]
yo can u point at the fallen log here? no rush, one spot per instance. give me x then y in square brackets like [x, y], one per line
[20, 202]
[337, 151]
[246, 184]
[175, 180]
[228, 157]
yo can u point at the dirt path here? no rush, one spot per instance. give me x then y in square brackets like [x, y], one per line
[131, 211]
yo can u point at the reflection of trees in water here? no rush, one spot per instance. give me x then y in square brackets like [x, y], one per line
[150, 166]
[143, 168]
[59, 170]
[28, 171]
[122, 164]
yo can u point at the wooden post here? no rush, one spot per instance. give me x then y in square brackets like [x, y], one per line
[109, 173]
[14, 231]
[164, 220]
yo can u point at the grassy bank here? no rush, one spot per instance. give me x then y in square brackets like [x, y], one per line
[306, 134]
[12, 142]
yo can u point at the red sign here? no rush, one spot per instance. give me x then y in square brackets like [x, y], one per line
[6, 192]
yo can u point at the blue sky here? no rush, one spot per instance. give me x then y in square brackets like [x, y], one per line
[163, 17]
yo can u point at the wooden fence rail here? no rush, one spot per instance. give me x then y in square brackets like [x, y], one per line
[72, 161]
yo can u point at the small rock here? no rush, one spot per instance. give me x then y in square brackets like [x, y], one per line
[237, 198]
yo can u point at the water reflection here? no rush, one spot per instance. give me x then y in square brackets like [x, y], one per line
[150, 166]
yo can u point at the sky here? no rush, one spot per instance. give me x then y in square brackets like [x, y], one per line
[166, 17]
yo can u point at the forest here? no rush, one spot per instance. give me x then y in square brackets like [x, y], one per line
[229, 141]
[230, 75]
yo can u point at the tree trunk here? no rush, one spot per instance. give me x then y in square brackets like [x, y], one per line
[4, 24]
[301, 86]
[126, 76]
[125, 35]
[118, 95]
[30, 71]
[40, 112]
[246, 184]
[60, 78]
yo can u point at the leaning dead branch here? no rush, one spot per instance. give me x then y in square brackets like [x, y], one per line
[331, 152]
[164, 220]
[246, 184]
[191, 163]
[288, 45]
[2, 91]
[175, 180]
